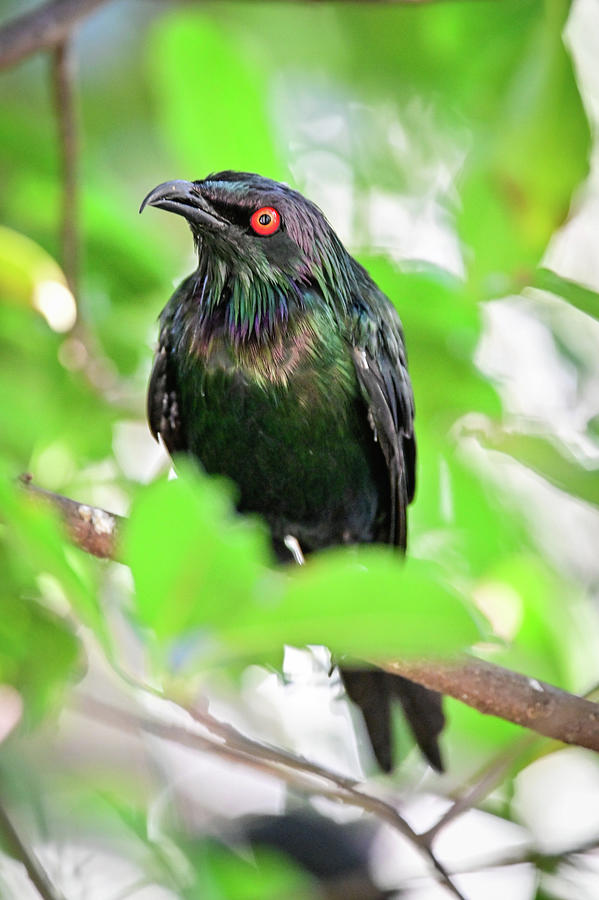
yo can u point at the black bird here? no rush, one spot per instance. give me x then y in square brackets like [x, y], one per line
[282, 365]
[338, 856]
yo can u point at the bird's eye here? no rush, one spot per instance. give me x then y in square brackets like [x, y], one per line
[265, 220]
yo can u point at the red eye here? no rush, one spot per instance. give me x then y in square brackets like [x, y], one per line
[265, 220]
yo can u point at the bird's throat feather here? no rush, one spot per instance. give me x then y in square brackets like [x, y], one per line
[268, 332]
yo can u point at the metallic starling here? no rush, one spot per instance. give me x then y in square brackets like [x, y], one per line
[282, 366]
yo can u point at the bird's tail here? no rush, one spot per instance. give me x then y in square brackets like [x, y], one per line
[373, 691]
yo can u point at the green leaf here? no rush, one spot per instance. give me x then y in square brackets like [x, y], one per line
[43, 402]
[550, 639]
[212, 95]
[497, 91]
[546, 456]
[24, 265]
[39, 653]
[194, 562]
[225, 875]
[363, 602]
[518, 182]
[196, 565]
[36, 543]
[472, 737]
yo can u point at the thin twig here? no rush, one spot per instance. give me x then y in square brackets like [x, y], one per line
[36, 872]
[383, 810]
[520, 856]
[234, 738]
[240, 743]
[249, 748]
[64, 101]
[283, 760]
[313, 779]
[480, 785]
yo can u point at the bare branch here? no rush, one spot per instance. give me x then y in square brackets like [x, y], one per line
[238, 748]
[33, 867]
[345, 790]
[500, 692]
[519, 856]
[42, 28]
[93, 529]
[235, 739]
[482, 784]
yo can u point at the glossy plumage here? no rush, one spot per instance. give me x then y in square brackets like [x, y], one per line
[282, 365]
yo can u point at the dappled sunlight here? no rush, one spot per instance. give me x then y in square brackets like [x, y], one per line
[57, 305]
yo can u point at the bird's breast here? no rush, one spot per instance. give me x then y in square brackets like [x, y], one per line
[287, 424]
[271, 361]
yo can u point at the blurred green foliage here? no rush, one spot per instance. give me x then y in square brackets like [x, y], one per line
[464, 108]
[212, 575]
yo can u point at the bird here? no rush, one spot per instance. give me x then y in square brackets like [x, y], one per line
[337, 855]
[282, 365]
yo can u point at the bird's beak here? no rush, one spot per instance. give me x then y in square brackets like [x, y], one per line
[185, 199]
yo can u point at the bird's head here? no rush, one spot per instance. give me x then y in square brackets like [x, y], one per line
[254, 227]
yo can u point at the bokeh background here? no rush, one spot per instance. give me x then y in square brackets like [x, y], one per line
[453, 147]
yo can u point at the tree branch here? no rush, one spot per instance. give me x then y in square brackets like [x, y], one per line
[500, 692]
[489, 688]
[33, 867]
[238, 748]
[42, 28]
[295, 770]
[481, 785]
[92, 529]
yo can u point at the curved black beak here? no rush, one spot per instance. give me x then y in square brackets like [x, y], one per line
[184, 199]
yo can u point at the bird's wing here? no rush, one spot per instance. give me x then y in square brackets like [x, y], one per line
[163, 399]
[380, 361]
